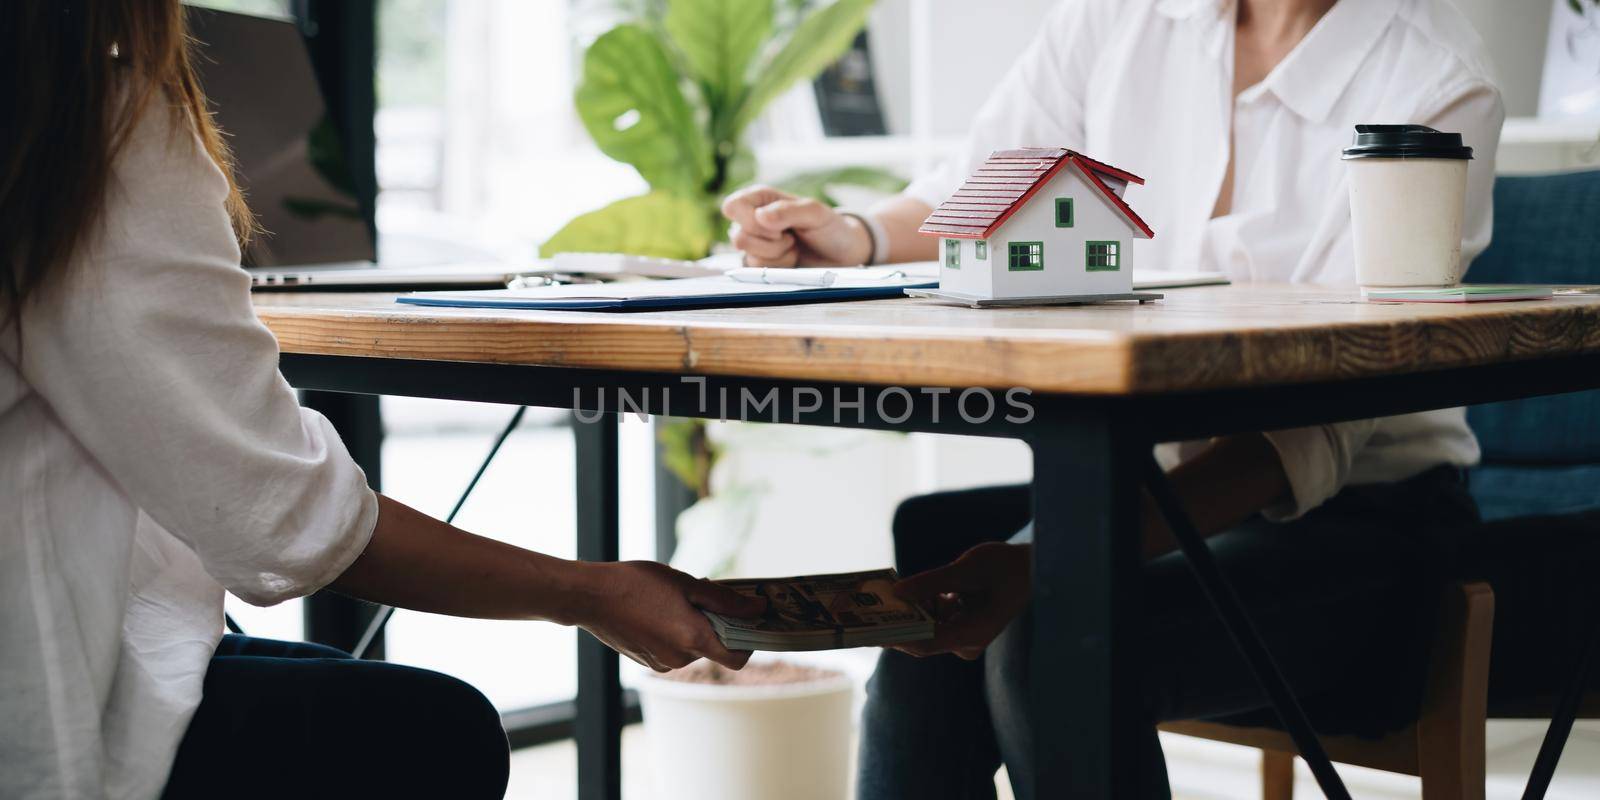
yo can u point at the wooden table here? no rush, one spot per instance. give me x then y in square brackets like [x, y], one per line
[1101, 384]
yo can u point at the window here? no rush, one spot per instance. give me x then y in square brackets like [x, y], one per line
[983, 250]
[1103, 256]
[1025, 256]
[1063, 212]
[453, 166]
[952, 253]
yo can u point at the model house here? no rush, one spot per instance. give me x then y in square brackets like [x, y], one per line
[1038, 223]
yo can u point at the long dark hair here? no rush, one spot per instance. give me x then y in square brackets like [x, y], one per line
[77, 74]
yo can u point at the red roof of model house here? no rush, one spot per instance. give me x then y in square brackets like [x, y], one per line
[1009, 179]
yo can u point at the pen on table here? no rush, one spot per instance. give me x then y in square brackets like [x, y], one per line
[536, 280]
[790, 277]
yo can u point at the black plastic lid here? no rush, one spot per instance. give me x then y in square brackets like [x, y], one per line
[1405, 141]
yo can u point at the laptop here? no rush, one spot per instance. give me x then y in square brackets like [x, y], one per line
[290, 164]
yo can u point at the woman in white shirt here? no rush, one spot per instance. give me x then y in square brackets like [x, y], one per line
[151, 457]
[1235, 112]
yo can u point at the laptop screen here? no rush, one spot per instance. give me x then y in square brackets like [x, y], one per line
[259, 80]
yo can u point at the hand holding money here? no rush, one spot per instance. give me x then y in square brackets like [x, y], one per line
[823, 612]
[973, 598]
[651, 613]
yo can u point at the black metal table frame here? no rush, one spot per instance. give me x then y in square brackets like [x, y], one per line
[1090, 458]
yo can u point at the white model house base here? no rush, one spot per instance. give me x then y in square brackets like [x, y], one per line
[1003, 302]
[1045, 223]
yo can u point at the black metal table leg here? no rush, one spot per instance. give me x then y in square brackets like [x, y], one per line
[600, 708]
[1566, 710]
[1085, 589]
[1227, 605]
[331, 618]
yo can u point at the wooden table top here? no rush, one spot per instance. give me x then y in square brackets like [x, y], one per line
[1200, 338]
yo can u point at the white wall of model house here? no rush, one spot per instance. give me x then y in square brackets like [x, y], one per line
[1065, 269]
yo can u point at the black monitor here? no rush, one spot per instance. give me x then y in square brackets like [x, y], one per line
[292, 162]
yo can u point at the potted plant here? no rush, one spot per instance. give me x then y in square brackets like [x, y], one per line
[672, 91]
[780, 729]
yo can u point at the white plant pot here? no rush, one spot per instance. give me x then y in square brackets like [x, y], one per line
[772, 742]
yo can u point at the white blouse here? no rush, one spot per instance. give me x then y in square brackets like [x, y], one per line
[150, 456]
[1147, 86]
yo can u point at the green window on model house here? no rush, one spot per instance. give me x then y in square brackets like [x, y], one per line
[952, 253]
[1063, 212]
[1103, 256]
[983, 250]
[1025, 256]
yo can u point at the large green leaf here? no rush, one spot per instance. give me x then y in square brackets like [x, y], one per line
[718, 38]
[631, 104]
[818, 41]
[657, 224]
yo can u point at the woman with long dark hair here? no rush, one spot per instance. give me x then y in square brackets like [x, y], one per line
[151, 456]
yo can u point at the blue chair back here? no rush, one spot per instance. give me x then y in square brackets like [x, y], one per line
[1541, 455]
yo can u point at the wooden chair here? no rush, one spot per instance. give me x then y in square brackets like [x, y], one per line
[1445, 746]
[1541, 456]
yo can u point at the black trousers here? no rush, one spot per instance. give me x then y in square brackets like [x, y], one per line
[1344, 597]
[285, 719]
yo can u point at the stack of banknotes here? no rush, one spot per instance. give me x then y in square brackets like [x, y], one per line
[824, 612]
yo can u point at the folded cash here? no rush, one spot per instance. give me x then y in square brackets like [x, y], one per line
[824, 612]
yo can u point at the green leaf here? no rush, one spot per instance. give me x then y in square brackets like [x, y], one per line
[687, 452]
[815, 184]
[631, 104]
[656, 224]
[718, 38]
[818, 41]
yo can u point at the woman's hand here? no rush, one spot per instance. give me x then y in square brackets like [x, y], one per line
[972, 598]
[775, 229]
[650, 613]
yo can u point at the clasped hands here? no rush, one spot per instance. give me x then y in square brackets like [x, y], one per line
[776, 229]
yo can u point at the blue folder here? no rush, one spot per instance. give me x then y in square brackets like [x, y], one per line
[662, 295]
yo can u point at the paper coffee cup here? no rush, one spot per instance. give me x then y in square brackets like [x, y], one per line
[1408, 193]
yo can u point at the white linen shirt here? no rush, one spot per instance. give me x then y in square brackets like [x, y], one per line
[150, 456]
[1147, 86]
